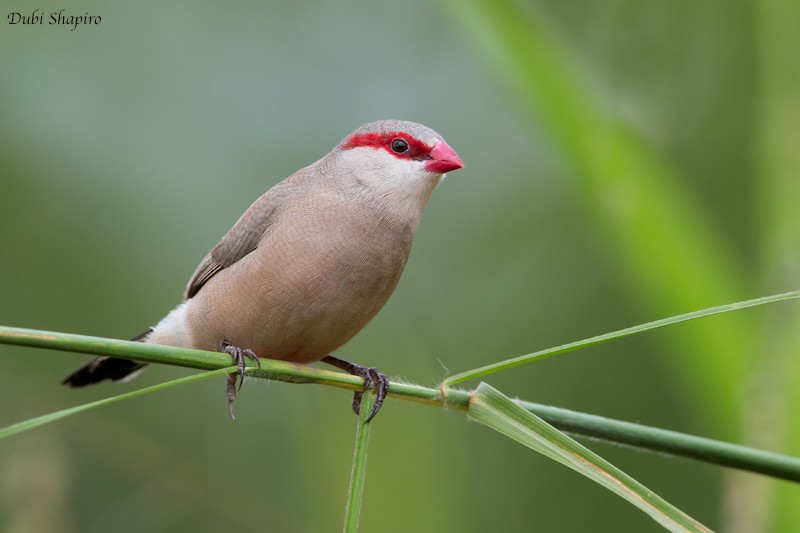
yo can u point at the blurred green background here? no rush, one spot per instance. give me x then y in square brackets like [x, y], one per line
[626, 161]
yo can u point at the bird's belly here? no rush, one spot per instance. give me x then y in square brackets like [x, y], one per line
[296, 310]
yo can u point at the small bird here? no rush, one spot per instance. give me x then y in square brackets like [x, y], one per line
[310, 262]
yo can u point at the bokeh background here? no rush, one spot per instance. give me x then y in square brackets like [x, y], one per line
[626, 161]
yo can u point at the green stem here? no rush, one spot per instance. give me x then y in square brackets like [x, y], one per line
[355, 496]
[592, 426]
[51, 417]
[627, 332]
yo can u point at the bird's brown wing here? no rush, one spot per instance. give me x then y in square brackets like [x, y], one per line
[242, 238]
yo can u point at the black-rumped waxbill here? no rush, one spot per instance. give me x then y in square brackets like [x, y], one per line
[311, 262]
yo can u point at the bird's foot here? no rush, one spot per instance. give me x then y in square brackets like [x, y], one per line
[371, 377]
[238, 355]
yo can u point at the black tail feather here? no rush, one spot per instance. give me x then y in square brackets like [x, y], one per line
[103, 368]
[142, 336]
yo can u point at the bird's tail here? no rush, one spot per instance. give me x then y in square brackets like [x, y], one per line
[103, 368]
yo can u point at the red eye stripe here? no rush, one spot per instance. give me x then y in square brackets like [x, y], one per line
[416, 148]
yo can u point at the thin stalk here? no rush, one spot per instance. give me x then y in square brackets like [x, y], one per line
[627, 332]
[52, 417]
[615, 431]
[355, 495]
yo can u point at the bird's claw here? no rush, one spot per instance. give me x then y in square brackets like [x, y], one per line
[231, 393]
[381, 383]
[238, 355]
[372, 378]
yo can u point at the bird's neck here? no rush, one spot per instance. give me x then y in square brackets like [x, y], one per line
[397, 200]
[399, 206]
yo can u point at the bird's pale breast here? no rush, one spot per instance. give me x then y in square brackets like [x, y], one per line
[311, 284]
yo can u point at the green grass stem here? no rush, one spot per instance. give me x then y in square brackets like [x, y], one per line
[592, 426]
[619, 334]
[355, 496]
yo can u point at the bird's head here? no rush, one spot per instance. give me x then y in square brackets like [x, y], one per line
[396, 160]
[406, 146]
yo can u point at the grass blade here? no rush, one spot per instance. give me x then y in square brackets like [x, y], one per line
[599, 339]
[355, 495]
[490, 407]
[674, 255]
[52, 417]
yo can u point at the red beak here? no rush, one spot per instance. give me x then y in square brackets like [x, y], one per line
[443, 159]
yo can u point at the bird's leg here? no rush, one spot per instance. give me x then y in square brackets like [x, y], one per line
[238, 355]
[370, 375]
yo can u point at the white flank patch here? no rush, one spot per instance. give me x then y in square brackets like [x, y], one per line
[171, 331]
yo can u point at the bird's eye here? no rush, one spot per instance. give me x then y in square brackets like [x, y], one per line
[399, 146]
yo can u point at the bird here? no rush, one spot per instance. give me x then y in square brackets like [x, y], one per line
[309, 263]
